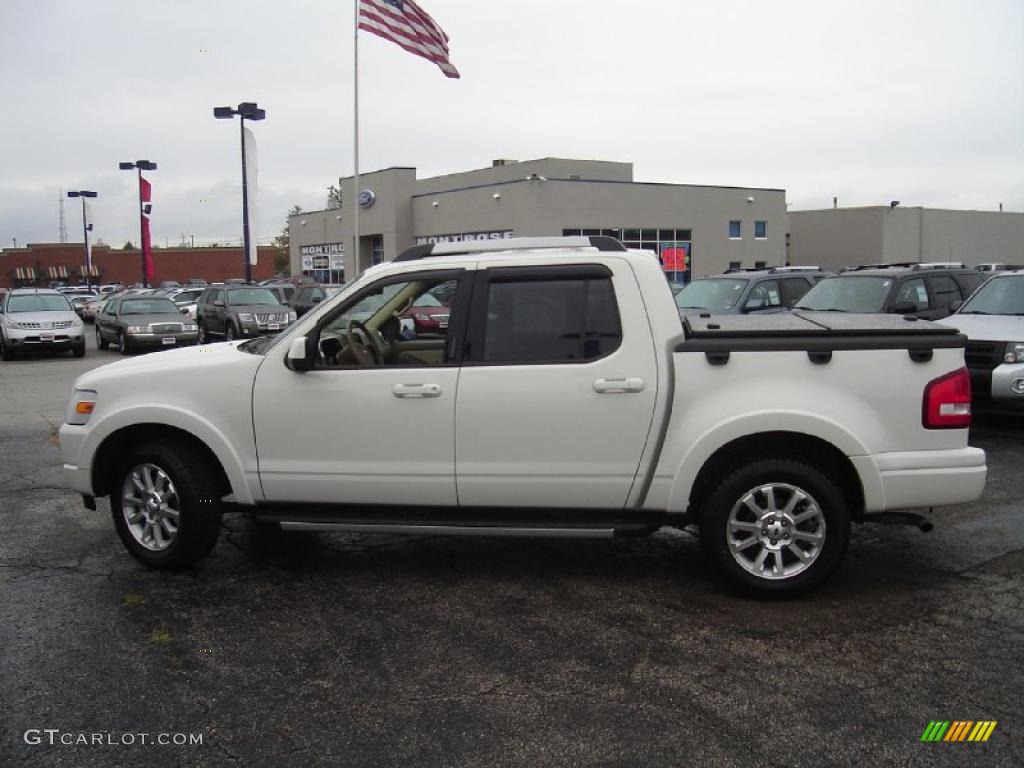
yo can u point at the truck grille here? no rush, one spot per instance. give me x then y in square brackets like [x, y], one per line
[984, 355]
[167, 327]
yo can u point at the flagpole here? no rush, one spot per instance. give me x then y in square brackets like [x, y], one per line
[355, 175]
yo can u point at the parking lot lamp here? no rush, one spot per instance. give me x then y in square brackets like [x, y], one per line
[141, 165]
[86, 226]
[247, 110]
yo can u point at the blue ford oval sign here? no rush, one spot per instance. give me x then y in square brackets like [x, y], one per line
[367, 198]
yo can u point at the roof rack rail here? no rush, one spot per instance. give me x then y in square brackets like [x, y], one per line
[807, 268]
[417, 252]
[939, 265]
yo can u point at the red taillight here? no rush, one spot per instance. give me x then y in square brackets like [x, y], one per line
[947, 401]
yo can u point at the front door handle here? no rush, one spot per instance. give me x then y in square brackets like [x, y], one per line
[416, 390]
[617, 386]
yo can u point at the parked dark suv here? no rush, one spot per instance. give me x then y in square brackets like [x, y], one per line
[740, 291]
[927, 290]
[309, 296]
[237, 311]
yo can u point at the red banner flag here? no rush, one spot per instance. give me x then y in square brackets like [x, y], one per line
[409, 26]
[145, 206]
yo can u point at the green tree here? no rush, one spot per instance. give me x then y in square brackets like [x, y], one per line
[128, 246]
[282, 257]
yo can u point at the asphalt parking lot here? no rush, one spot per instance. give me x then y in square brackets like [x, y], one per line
[421, 651]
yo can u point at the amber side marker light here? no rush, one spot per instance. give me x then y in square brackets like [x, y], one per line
[85, 407]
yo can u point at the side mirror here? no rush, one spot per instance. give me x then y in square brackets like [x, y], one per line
[754, 304]
[904, 308]
[956, 305]
[218, 303]
[300, 357]
[184, 310]
[317, 299]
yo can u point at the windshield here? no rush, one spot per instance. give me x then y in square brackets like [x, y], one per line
[148, 307]
[246, 296]
[999, 296]
[38, 302]
[850, 293]
[712, 294]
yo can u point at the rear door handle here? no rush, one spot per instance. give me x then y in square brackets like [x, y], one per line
[416, 390]
[618, 386]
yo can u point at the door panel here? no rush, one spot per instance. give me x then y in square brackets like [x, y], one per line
[547, 433]
[377, 427]
[344, 436]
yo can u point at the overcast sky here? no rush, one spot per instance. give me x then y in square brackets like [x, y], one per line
[871, 100]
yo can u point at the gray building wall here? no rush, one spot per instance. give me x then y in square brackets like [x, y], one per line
[841, 237]
[545, 197]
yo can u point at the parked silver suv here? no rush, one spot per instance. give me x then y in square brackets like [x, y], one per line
[39, 320]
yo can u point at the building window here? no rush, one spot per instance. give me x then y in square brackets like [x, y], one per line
[735, 229]
[674, 241]
[377, 249]
[760, 230]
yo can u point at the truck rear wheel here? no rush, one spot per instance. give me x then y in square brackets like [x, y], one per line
[776, 527]
[166, 505]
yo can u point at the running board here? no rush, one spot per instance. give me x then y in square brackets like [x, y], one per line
[453, 530]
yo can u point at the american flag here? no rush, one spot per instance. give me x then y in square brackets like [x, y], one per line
[405, 23]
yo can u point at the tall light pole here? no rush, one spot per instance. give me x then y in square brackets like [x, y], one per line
[140, 165]
[247, 110]
[84, 193]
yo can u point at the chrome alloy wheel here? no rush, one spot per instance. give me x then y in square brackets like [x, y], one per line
[151, 507]
[776, 531]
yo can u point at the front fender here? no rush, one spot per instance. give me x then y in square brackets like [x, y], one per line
[238, 467]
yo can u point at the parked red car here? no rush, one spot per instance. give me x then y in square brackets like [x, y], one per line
[429, 315]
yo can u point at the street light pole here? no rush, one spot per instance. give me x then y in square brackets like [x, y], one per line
[84, 193]
[140, 165]
[250, 110]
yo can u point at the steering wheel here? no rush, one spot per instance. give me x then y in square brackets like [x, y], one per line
[371, 353]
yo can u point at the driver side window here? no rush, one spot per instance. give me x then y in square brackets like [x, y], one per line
[398, 322]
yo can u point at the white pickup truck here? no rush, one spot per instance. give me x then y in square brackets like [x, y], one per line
[560, 394]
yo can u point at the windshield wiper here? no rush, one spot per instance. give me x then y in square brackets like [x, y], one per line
[975, 312]
[812, 309]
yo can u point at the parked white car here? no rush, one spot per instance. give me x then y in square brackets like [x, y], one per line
[565, 397]
[993, 321]
[39, 320]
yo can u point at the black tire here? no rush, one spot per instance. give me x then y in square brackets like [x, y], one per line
[826, 509]
[6, 353]
[229, 332]
[101, 343]
[197, 497]
[204, 334]
[122, 343]
[79, 351]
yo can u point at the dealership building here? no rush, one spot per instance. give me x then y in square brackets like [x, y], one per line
[694, 229]
[882, 234]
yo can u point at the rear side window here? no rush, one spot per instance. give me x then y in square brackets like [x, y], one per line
[969, 282]
[793, 290]
[945, 290]
[562, 320]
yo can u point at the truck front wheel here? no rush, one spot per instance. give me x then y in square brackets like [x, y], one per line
[166, 505]
[776, 527]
